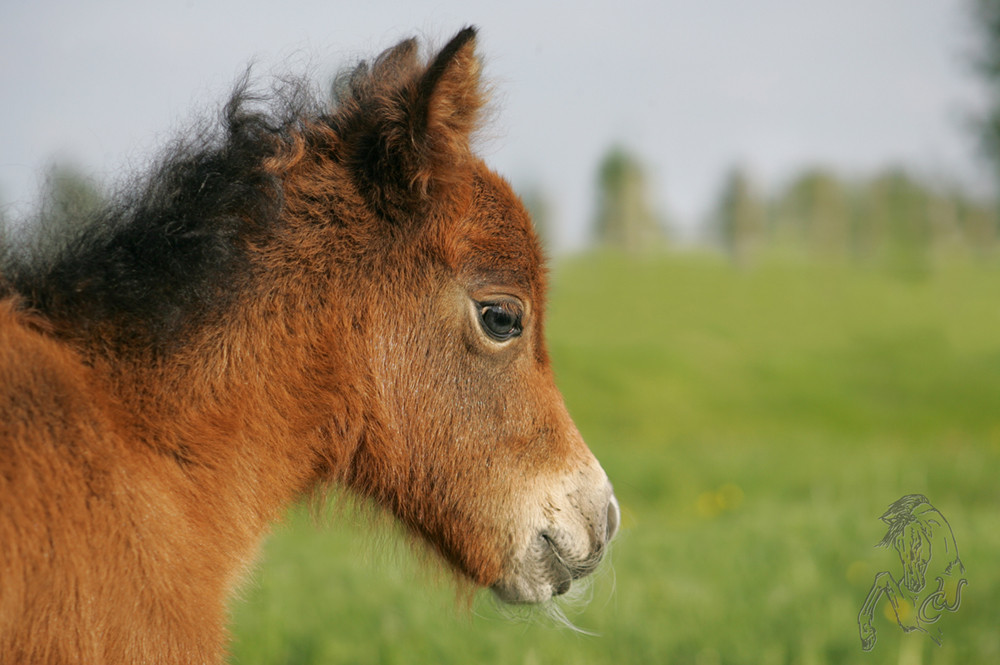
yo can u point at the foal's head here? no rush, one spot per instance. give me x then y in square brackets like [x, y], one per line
[468, 440]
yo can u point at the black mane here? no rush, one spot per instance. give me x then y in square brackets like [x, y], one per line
[172, 248]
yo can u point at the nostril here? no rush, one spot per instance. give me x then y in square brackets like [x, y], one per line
[614, 517]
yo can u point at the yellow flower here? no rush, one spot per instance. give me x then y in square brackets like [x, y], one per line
[903, 612]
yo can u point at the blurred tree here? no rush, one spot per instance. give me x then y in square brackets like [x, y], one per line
[740, 216]
[944, 210]
[815, 211]
[895, 222]
[540, 208]
[977, 223]
[68, 197]
[986, 18]
[625, 218]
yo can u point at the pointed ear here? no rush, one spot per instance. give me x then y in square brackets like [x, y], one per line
[389, 70]
[412, 122]
[446, 108]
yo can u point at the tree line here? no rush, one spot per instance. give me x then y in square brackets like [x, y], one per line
[893, 217]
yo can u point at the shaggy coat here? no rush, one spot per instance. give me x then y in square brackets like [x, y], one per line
[312, 296]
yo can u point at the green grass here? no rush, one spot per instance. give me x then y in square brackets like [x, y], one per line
[755, 423]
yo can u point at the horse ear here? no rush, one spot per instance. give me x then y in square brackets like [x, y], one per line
[388, 70]
[446, 109]
[416, 122]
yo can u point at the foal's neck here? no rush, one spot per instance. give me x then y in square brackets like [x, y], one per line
[243, 407]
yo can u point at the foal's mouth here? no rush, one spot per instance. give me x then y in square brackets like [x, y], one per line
[563, 571]
[556, 559]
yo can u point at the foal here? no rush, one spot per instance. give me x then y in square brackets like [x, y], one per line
[319, 295]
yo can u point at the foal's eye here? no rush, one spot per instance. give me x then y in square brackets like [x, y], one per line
[500, 320]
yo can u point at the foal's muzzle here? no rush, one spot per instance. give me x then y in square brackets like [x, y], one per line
[568, 547]
[568, 569]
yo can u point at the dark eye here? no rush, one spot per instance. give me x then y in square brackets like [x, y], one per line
[500, 320]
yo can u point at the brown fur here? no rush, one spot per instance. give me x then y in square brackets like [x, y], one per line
[138, 478]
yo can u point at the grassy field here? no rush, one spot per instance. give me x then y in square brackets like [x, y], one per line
[756, 423]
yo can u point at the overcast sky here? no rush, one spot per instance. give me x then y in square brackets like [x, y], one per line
[693, 87]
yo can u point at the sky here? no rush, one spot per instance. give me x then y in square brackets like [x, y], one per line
[692, 87]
